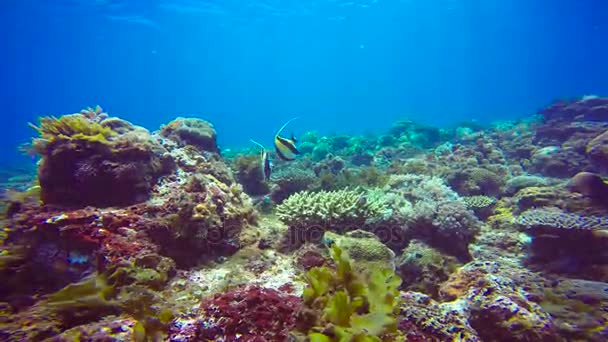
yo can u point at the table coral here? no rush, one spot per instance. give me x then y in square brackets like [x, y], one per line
[555, 218]
[566, 243]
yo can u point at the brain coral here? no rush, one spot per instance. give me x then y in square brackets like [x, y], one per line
[289, 181]
[363, 247]
[191, 131]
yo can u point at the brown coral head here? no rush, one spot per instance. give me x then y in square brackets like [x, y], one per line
[587, 183]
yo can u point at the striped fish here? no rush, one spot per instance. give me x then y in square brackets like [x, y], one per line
[285, 148]
[265, 166]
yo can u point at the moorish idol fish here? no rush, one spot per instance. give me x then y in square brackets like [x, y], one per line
[285, 148]
[266, 166]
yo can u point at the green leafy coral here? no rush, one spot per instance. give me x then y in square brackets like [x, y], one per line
[341, 305]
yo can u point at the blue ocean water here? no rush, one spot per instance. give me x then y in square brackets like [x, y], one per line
[247, 66]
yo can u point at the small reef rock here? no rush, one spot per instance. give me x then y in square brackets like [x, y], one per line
[469, 233]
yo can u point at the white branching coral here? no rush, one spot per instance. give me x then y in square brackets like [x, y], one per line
[331, 210]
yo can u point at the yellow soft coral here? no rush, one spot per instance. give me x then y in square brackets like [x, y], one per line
[71, 127]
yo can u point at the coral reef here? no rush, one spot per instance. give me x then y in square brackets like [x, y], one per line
[68, 268]
[590, 108]
[498, 231]
[578, 308]
[423, 319]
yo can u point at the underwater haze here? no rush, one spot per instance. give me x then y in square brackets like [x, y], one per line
[343, 66]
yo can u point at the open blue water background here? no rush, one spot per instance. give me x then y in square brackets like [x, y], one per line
[247, 66]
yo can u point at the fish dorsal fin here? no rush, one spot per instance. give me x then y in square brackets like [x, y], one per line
[285, 125]
[257, 143]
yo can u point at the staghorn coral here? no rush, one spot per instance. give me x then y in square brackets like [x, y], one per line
[338, 210]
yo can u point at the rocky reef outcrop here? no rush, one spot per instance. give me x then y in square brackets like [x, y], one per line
[470, 233]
